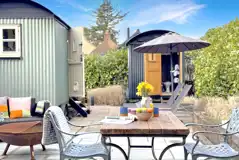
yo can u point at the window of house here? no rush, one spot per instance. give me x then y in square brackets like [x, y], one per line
[10, 45]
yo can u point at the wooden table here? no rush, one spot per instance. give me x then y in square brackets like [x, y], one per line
[166, 125]
[22, 134]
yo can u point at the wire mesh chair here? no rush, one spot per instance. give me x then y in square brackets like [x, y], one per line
[69, 148]
[222, 150]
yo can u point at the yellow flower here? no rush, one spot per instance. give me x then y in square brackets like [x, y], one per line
[138, 93]
[151, 105]
[144, 88]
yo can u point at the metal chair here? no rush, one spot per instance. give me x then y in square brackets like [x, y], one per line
[69, 148]
[222, 150]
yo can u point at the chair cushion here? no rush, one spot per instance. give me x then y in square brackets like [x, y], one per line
[20, 107]
[222, 150]
[4, 107]
[39, 108]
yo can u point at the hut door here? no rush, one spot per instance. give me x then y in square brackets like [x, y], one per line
[152, 71]
[76, 65]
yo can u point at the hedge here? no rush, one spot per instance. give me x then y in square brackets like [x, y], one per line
[109, 69]
[217, 66]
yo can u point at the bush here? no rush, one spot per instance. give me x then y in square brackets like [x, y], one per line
[216, 67]
[110, 69]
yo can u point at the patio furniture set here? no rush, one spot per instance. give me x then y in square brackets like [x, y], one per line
[166, 125]
[55, 129]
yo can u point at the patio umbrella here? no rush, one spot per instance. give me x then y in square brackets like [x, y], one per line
[170, 43]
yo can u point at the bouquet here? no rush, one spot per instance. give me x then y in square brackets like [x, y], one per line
[144, 89]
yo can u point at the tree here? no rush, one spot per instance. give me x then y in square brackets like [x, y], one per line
[217, 66]
[106, 19]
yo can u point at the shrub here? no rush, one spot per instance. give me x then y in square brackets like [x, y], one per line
[110, 69]
[216, 67]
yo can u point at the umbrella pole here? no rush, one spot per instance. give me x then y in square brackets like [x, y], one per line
[171, 74]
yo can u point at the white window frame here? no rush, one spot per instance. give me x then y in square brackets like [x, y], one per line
[17, 40]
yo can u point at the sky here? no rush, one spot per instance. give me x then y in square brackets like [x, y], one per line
[187, 17]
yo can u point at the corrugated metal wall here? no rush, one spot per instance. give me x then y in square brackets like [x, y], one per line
[33, 74]
[136, 70]
[61, 71]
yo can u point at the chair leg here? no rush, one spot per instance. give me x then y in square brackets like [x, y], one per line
[6, 149]
[185, 153]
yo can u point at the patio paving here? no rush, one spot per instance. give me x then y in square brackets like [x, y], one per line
[52, 151]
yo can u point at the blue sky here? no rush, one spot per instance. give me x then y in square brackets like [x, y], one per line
[188, 17]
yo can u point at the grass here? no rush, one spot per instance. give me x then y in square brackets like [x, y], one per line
[111, 95]
[214, 107]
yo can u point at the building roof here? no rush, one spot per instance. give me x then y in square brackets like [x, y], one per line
[106, 45]
[147, 33]
[37, 5]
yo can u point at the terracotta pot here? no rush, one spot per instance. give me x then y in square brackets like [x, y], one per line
[144, 116]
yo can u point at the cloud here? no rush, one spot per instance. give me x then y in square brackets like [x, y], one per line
[75, 4]
[176, 11]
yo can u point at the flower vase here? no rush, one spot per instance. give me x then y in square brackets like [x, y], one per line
[145, 102]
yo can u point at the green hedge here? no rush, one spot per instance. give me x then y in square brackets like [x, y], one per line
[110, 69]
[217, 66]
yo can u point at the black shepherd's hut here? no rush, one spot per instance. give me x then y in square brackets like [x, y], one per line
[151, 67]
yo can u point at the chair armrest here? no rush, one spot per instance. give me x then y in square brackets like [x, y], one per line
[197, 139]
[205, 125]
[76, 134]
[82, 126]
[209, 132]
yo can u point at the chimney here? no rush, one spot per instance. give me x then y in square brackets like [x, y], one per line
[128, 33]
[107, 36]
[137, 31]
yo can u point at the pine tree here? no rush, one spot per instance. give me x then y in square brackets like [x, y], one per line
[106, 19]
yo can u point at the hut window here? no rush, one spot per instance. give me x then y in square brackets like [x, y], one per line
[10, 41]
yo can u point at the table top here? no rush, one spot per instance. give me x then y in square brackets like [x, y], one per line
[21, 128]
[167, 124]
